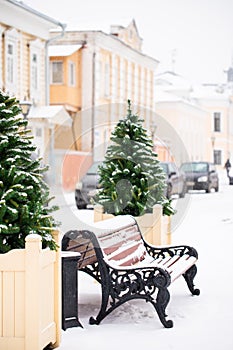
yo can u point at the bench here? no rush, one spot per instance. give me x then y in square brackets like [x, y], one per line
[114, 252]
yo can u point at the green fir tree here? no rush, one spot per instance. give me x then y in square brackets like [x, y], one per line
[131, 179]
[24, 196]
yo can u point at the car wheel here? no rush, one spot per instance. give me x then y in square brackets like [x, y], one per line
[80, 204]
[208, 190]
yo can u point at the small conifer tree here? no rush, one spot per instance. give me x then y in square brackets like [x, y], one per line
[24, 196]
[131, 179]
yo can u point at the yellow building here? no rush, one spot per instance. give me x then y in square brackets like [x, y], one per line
[24, 71]
[96, 78]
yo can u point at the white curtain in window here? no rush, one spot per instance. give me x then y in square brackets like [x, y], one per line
[11, 61]
[72, 73]
[36, 47]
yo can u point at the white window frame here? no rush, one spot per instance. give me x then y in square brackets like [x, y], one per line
[142, 92]
[107, 78]
[217, 116]
[114, 76]
[11, 61]
[217, 155]
[122, 79]
[129, 81]
[38, 133]
[35, 70]
[136, 84]
[71, 73]
[52, 63]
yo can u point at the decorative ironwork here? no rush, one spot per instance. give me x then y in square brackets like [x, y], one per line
[189, 277]
[120, 285]
[125, 285]
[162, 252]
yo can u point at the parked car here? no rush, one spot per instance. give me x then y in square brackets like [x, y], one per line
[87, 187]
[201, 176]
[175, 179]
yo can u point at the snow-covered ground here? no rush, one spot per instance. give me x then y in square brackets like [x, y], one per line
[203, 322]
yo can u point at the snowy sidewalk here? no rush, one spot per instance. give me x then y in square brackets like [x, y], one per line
[203, 322]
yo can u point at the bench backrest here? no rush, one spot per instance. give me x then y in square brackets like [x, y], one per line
[119, 239]
[123, 247]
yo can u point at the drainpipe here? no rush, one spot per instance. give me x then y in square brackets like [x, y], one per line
[93, 107]
[47, 77]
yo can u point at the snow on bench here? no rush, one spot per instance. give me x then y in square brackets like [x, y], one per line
[114, 252]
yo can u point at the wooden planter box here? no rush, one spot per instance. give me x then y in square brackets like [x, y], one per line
[30, 297]
[155, 227]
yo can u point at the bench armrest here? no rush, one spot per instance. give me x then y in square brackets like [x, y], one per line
[162, 252]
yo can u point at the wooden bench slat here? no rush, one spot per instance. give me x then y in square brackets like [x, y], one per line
[184, 263]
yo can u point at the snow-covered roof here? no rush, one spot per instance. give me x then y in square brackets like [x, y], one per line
[163, 96]
[212, 91]
[173, 80]
[54, 114]
[63, 50]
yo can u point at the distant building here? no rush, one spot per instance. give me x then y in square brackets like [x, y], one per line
[174, 103]
[95, 79]
[218, 101]
[201, 115]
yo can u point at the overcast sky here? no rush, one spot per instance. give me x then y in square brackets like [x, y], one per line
[197, 33]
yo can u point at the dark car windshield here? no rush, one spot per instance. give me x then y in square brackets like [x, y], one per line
[194, 167]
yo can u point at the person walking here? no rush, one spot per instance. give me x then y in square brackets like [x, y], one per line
[228, 166]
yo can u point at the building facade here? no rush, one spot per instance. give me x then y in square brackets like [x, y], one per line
[189, 119]
[217, 100]
[24, 71]
[202, 116]
[108, 70]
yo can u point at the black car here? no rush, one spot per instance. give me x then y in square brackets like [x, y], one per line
[175, 179]
[87, 187]
[201, 176]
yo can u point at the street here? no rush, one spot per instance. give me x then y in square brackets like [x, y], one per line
[204, 321]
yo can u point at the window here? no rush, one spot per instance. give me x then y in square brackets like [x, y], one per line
[142, 84]
[11, 60]
[10, 64]
[38, 138]
[217, 157]
[107, 80]
[71, 73]
[38, 132]
[36, 47]
[115, 77]
[136, 82]
[56, 72]
[217, 121]
[122, 79]
[34, 76]
[129, 81]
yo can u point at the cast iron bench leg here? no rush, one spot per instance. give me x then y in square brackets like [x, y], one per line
[189, 277]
